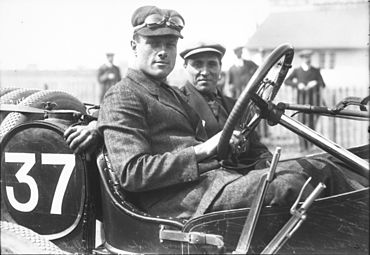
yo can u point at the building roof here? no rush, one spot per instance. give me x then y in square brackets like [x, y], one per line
[341, 27]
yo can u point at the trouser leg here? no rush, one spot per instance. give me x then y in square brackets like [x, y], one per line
[241, 192]
[284, 189]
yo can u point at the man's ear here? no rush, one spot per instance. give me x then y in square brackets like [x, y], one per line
[133, 45]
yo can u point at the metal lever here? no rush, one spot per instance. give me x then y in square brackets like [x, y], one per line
[251, 221]
[298, 216]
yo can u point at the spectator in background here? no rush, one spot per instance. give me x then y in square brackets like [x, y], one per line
[309, 83]
[240, 73]
[108, 75]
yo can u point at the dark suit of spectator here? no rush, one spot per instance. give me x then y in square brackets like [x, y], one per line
[309, 84]
[108, 75]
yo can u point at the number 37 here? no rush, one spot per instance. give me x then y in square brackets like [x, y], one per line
[29, 160]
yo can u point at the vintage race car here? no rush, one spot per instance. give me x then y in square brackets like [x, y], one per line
[52, 198]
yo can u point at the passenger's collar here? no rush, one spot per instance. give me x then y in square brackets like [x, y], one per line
[212, 96]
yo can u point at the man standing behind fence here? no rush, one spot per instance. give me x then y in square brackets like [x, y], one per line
[309, 83]
[108, 75]
[240, 73]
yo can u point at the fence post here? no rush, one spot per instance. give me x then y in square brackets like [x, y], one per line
[333, 128]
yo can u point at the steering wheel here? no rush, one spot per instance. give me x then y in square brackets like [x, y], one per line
[264, 85]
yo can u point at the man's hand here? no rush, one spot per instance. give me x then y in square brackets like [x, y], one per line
[301, 86]
[83, 138]
[238, 142]
[209, 147]
[111, 76]
[311, 84]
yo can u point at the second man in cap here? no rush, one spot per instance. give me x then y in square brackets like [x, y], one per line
[203, 64]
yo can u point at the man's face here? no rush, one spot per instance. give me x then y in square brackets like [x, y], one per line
[110, 58]
[306, 60]
[203, 71]
[155, 55]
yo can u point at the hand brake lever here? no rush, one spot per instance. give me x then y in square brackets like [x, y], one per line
[251, 221]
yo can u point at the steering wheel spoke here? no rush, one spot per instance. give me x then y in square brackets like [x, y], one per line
[263, 85]
[246, 128]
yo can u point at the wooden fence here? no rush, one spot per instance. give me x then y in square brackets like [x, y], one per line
[80, 83]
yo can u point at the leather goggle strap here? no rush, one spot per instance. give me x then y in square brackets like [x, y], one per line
[156, 20]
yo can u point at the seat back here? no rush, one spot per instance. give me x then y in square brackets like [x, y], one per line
[127, 227]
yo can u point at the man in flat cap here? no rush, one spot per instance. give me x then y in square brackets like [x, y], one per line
[240, 73]
[309, 84]
[157, 145]
[108, 74]
[203, 62]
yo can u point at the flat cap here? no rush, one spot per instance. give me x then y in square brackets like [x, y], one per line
[153, 21]
[239, 48]
[199, 47]
[305, 53]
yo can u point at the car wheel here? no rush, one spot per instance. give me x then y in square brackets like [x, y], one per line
[16, 239]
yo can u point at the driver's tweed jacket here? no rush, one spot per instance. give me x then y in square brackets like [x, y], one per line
[149, 135]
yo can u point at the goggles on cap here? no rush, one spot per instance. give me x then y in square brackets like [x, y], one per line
[158, 20]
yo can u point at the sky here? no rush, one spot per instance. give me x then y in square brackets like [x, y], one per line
[70, 34]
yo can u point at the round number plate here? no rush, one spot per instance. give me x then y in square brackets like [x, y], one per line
[43, 182]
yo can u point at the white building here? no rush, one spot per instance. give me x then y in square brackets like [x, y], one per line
[337, 32]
